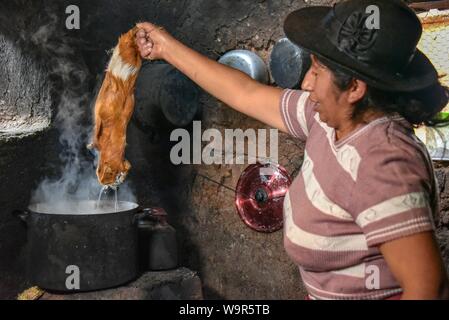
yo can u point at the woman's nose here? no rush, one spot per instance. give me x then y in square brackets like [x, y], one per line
[308, 84]
[308, 81]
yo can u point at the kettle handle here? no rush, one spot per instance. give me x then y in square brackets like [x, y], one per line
[142, 213]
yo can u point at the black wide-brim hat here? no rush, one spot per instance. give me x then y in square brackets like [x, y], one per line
[374, 44]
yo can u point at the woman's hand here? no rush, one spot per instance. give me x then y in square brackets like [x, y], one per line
[151, 41]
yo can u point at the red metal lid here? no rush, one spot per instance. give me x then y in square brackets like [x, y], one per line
[259, 197]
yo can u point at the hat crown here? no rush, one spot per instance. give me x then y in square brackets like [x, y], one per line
[374, 32]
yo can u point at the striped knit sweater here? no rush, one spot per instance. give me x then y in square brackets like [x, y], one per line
[352, 195]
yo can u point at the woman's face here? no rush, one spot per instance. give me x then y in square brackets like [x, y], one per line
[330, 101]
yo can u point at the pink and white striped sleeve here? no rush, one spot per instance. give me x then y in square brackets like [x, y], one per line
[393, 194]
[297, 113]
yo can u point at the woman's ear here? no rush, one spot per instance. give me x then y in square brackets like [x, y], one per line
[356, 91]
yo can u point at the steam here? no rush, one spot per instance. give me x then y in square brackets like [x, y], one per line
[73, 120]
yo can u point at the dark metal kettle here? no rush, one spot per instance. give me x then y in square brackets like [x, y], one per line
[158, 248]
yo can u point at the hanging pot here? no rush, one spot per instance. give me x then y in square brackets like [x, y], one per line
[288, 64]
[247, 62]
[164, 97]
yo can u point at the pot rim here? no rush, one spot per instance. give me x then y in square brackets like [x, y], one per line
[34, 208]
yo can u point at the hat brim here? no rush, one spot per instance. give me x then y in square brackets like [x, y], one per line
[303, 27]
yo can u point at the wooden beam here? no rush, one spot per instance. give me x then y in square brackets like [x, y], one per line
[442, 4]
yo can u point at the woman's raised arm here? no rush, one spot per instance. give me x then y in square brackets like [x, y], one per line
[231, 86]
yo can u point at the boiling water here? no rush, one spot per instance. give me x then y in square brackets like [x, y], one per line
[106, 203]
[116, 201]
[104, 190]
[101, 193]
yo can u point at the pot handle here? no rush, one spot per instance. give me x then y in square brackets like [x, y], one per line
[144, 212]
[21, 214]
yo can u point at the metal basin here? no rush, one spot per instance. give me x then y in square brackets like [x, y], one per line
[247, 62]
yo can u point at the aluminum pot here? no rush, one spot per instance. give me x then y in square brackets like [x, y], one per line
[247, 62]
[77, 246]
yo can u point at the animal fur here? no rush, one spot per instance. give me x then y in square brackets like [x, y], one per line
[113, 110]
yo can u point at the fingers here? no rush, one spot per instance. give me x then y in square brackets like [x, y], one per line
[146, 26]
[142, 41]
[141, 34]
[145, 41]
[146, 50]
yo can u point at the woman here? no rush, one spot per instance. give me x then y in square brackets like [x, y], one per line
[359, 218]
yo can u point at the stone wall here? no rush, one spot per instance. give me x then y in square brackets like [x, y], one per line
[27, 141]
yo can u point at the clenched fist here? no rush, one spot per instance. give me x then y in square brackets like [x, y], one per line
[151, 41]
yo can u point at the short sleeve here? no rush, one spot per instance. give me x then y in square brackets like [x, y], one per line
[392, 194]
[297, 112]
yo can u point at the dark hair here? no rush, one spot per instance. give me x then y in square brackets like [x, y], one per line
[417, 107]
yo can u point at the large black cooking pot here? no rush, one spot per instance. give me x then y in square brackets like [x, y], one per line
[77, 246]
